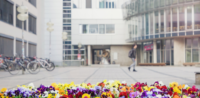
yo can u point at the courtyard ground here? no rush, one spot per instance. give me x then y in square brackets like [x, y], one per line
[182, 75]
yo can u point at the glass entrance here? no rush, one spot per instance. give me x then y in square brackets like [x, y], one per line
[101, 56]
[148, 52]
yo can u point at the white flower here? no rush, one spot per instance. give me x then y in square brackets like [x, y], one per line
[161, 83]
[45, 94]
[58, 96]
[31, 85]
[114, 91]
[111, 81]
[158, 96]
[186, 86]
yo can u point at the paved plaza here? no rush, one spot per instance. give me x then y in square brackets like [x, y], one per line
[183, 75]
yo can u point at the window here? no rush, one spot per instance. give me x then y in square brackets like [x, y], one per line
[66, 4]
[110, 28]
[162, 21]
[6, 46]
[32, 24]
[66, 28]
[107, 3]
[93, 28]
[156, 23]
[66, 20]
[19, 22]
[189, 17]
[147, 24]
[6, 11]
[33, 2]
[66, 11]
[101, 29]
[97, 29]
[85, 29]
[151, 23]
[192, 50]
[174, 19]
[181, 19]
[168, 21]
[196, 16]
[66, 15]
[88, 3]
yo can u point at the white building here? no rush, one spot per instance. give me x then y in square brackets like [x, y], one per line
[11, 32]
[96, 24]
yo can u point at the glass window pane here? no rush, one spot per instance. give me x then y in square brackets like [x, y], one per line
[66, 11]
[102, 29]
[85, 29]
[172, 57]
[167, 44]
[162, 21]
[195, 43]
[93, 28]
[147, 24]
[188, 55]
[151, 23]
[74, 57]
[110, 28]
[66, 20]
[196, 16]
[101, 3]
[88, 3]
[67, 4]
[167, 52]
[158, 43]
[181, 19]
[188, 43]
[195, 55]
[66, 15]
[174, 19]
[168, 21]
[67, 57]
[74, 51]
[189, 17]
[67, 46]
[67, 51]
[156, 22]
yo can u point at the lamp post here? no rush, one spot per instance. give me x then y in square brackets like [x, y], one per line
[22, 16]
[50, 29]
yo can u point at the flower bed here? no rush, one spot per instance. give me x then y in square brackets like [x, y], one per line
[105, 89]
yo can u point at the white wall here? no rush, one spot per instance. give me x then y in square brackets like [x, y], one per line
[16, 32]
[99, 16]
[53, 10]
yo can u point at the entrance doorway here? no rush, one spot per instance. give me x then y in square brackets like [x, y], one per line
[148, 56]
[101, 56]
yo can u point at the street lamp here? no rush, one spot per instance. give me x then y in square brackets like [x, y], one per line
[50, 29]
[23, 16]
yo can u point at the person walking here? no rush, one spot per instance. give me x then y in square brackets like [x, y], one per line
[132, 55]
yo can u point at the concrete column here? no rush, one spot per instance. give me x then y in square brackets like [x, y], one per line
[89, 55]
[154, 52]
[179, 51]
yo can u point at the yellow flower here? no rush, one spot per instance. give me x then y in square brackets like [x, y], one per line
[104, 81]
[3, 90]
[49, 96]
[177, 90]
[150, 88]
[146, 88]
[85, 96]
[184, 96]
[181, 86]
[54, 84]
[173, 84]
[97, 97]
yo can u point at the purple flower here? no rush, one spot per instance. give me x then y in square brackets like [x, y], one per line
[134, 94]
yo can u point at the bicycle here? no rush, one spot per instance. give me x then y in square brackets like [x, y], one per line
[49, 66]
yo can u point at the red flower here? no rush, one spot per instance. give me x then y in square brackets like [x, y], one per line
[79, 94]
[158, 87]
[194, 89]
[113, 96]
[139, 89]
[88, 84]
[124, 84]
[66, 96]
[121, 94]
[170, 93]
[164, 87]
[185, 91]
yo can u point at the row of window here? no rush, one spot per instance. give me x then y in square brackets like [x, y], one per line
[6, 15]
[97, 28]
[109, 4]
[169, 20]
[139, 6]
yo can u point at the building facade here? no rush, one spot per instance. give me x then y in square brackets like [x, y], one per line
[167, 30]
[11, 28]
